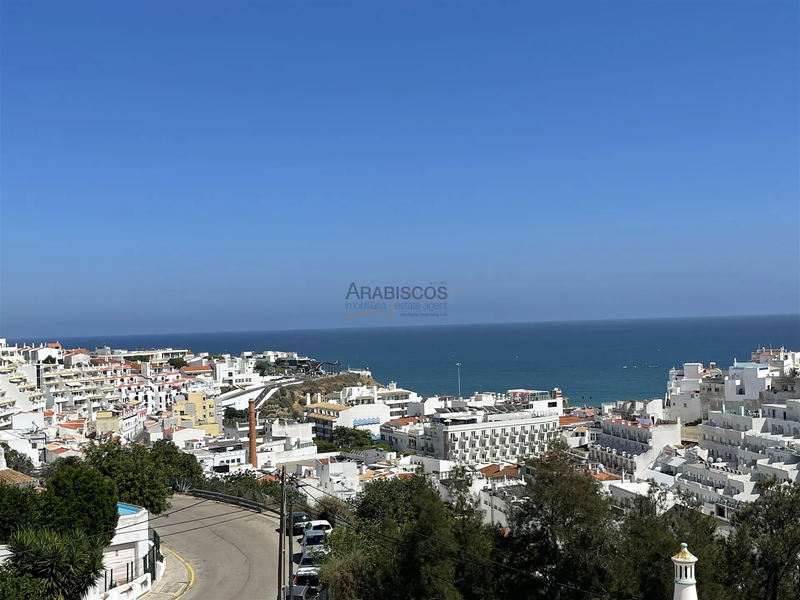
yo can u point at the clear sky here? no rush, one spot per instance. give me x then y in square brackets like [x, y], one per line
[212, 166]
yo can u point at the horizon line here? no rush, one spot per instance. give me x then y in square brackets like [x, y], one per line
[427, 326]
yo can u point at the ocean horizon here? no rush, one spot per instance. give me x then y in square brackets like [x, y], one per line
[591, 361]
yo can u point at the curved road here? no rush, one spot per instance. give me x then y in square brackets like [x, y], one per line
[233, 551]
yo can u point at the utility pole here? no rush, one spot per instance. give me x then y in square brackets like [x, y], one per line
[282, 534]
[291, 552]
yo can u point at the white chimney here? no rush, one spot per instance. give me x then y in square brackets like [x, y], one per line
[685, 584]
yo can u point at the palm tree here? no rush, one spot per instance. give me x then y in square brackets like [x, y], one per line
[67, 564]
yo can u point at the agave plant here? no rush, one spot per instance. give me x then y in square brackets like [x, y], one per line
[67, 564]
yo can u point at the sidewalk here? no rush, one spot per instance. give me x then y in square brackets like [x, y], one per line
[177, 578]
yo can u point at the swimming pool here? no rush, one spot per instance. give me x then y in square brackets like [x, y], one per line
[127, 509]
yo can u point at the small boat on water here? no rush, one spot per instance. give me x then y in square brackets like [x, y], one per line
[625, 367]
[652, 366]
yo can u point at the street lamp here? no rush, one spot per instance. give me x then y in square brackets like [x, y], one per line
[458, 368]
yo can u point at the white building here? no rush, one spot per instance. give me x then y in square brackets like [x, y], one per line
[577, 431]
[745, 381]
[396, 398]
[738, 448]
[491, 434]
[180, 435]
[683, 399]
[325, 417]
[783, 360]
[221, 456]
[278, 441]
[18, 391]
[630, 445]
[125, 558]
[717, 487]
[424, 407]
[339, 479]
[403, 433]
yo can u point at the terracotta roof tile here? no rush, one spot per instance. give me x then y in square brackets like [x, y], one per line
[12, 477]
[564, 421]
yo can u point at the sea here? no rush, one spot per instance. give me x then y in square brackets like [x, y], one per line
[591, 362]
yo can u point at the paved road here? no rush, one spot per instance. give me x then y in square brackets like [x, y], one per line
[232, 551]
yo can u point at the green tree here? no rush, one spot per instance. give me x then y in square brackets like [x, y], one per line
[561, 534]
[177, 362]
[175, 464]
[473, 540]
[349, 569]
[235, 414]
[17, 460]
[652, 531]
[333, 510]
[19, 508]
[764, 549]
[263, 368]
[348, 437]
[14, 586]
[399, 545]
[65, 565]
[80, 496]
[388, 499]
[139, 479]
[426, 557]
[325, 445]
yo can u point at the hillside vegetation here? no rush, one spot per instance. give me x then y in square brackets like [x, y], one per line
[289, 401]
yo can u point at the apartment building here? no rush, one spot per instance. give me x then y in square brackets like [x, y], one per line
[197, 411]
[396, 398]
[221, 456]
[745, 381]
[124, 420]
[692, 391]
[744, 439]
[150, 355]
[326, 416]
[785, 361]
[719, 488]
[629, 444]
[493, 433]
[18, 391]
[403, 433]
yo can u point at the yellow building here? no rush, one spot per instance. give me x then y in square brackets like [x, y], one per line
[198, 412]
[105, 421]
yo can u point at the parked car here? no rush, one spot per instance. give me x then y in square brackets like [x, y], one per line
[306, 562]
[320, 525]
[301, 592]
[307, 576]
[313, 543]
[297, 522]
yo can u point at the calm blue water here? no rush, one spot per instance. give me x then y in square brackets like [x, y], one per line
[127, 509]
[584, 359]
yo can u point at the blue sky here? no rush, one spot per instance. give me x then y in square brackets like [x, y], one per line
[212, 166]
